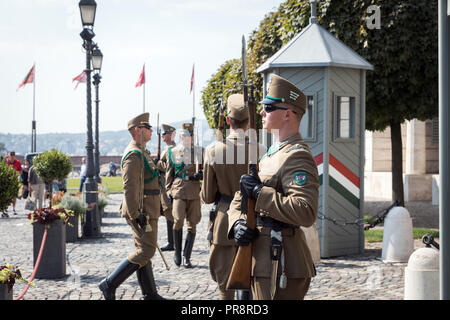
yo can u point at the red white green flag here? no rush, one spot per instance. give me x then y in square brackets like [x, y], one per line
[141, 79]
[28, 79]
[80, 78]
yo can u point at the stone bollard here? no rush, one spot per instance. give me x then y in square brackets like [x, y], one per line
[398, 242]
[422, 275]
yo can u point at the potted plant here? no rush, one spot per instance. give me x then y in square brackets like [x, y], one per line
[51, 165]
[78, 208]
[8, 276]
[9, 186]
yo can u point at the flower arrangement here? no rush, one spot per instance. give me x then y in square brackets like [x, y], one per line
[57, 197]
[48, 215]
[9, 274]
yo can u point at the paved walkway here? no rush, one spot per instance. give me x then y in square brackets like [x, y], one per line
[357, 277]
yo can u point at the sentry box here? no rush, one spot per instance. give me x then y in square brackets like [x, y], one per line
[333, 77]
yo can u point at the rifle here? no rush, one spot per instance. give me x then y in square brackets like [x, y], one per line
[158, 131]
[239, 277]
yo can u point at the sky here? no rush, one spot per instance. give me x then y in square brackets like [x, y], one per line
[168, 36]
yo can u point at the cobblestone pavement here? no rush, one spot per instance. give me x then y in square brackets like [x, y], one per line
[355, 277]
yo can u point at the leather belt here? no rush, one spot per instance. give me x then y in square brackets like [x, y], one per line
[151, 192]
[269, 222]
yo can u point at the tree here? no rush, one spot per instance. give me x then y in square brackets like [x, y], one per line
[404, 83]
[9, 185]
[52, 165]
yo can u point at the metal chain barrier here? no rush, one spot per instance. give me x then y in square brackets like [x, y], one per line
[372, 222]
[41, 250]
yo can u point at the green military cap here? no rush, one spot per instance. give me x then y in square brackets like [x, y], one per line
[167, 129]
[281, 90]
[140, 120]
[187, 129]
[237, 108]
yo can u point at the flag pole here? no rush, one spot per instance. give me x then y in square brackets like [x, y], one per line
[143, 93]
[193, 96]
[33, 124]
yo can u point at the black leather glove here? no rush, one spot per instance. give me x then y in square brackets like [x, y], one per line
[141, 220]
[250, 186]
[243, 235]
[198, 176]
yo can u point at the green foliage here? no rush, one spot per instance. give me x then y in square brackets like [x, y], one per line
[376, 235]
[9, 185]
[77, 205]
[102, 202]
[51, 165]
[404, 52]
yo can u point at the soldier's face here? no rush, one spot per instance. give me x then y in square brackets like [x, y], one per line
[273, 120]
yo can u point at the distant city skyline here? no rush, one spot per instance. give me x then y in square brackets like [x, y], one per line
[168, 36]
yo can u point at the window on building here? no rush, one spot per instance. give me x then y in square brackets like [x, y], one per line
[345, 117]
[307, 127]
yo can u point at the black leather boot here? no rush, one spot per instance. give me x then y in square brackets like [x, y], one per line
[147, 283]
[177, 241]
[188, 245]
[169, 246]
[243, 295]
[109, 285]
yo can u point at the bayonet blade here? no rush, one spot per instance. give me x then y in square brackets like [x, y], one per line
[244, 61]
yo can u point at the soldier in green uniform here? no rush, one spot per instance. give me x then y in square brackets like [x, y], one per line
[168, 135]
[286, 193]
[225, 162]
[141, 209]
[183, 182]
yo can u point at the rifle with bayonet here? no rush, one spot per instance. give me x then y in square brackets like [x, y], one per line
[158, 131]
[239, 277]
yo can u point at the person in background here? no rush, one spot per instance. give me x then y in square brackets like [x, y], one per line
[12, 161]
[24, 179]
[36, 187]
[83, 173]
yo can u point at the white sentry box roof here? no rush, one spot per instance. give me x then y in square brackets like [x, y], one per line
[313, 47]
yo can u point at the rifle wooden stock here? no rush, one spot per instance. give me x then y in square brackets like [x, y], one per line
[241, 270]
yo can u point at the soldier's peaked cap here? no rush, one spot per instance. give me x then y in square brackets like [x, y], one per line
[140, 120]
[237, 108]
[167, 128]
[281, 90]
[186, 129]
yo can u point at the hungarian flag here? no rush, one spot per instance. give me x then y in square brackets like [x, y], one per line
[79, 78]
[28, 79]
[192, 78]
[141, 80]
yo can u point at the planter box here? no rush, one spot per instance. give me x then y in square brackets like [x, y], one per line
[53, 261]
[72, 232]
[5, 294]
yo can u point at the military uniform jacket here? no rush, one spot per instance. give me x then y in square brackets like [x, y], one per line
[132, 165]
[181, 166]
[289, 194]
[225, 162]
[162, 167]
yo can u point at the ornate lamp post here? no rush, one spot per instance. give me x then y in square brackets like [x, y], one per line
[97, 59]
[91, 227]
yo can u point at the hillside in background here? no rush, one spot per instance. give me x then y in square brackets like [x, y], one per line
[111, 142]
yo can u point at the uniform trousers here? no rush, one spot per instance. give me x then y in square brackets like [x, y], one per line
[37, 194]
[220, 262]
[145, 242]
[296, 289]
[189, 210]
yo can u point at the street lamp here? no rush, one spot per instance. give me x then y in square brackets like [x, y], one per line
[97, 59]
[87, 11]
[91, 226]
